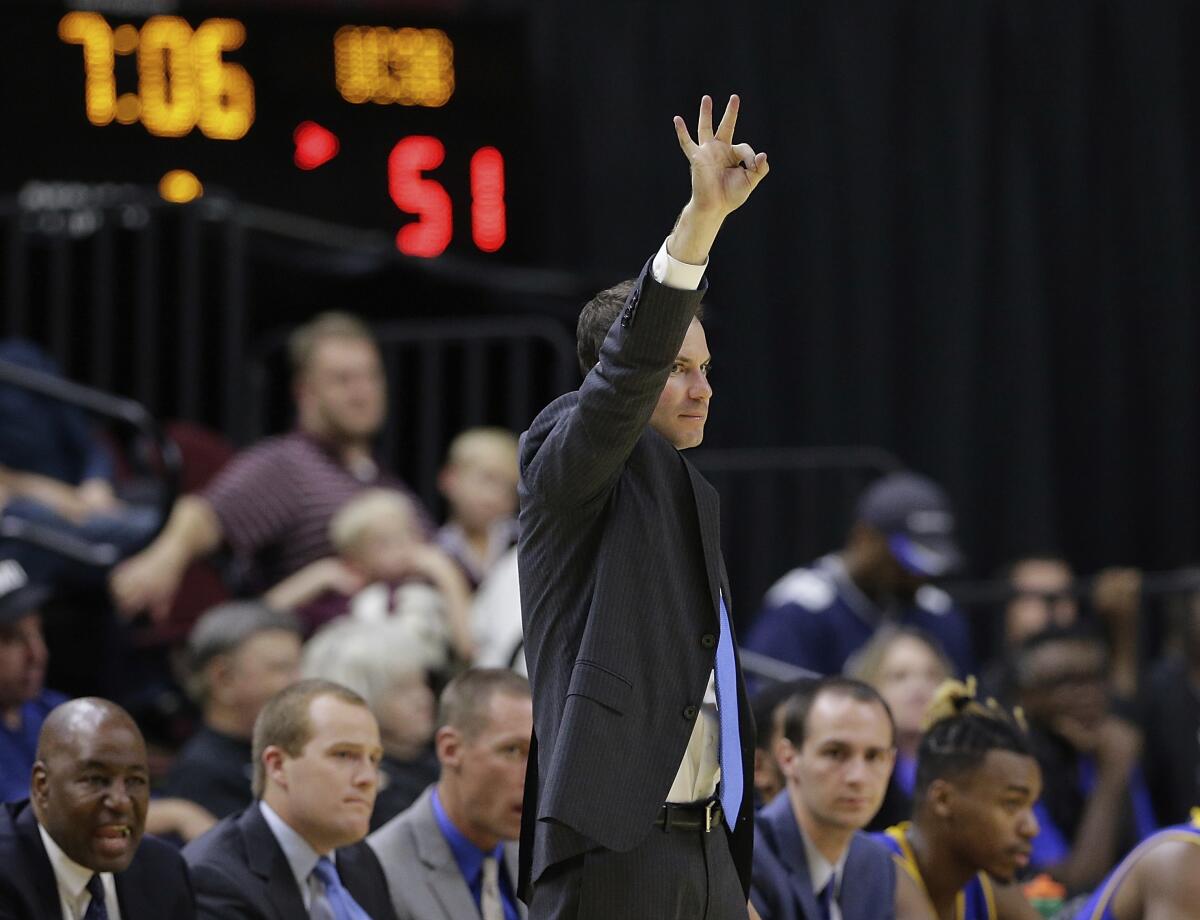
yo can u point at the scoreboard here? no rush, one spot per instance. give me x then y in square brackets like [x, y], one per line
[363, 116]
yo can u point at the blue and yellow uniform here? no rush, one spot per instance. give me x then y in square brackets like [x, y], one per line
[1099, 906]
[976, 900]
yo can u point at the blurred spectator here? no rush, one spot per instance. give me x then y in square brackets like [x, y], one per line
[446, 857]
[57, 474]
[1171, 717]
[768, 705]
[24, 701]
[79, 837]
[906, 666]
[903, 536]
[271, 505]
[810, 855]
[297, 851]
[239, 655]
[385, 569]
[496, 618]
[384, 665]
[1095, 804]
[1044, 595]
[479, 483]
[973, 810]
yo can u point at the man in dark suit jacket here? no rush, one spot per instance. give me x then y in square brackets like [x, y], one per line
[811, 859]
[79, 838]
[316, 759]
[624, 600]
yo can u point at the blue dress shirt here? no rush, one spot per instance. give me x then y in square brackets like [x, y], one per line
[470, 861]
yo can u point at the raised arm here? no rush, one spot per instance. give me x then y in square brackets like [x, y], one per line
[590, 443]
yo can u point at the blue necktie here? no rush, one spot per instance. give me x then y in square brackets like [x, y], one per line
[732, 781]
[825, 899]
[341, 902]
[96, 909]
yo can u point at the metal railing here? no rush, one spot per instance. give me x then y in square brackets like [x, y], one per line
[124, 413]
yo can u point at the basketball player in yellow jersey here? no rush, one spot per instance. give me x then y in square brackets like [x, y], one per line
[973, 822]
[1158, 880]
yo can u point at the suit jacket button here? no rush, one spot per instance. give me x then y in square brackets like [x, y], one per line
[708, 640]
[690, 712]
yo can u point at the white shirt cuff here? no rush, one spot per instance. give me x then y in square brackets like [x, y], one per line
[670, 272]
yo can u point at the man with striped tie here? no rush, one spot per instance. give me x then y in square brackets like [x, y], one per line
[638, 795]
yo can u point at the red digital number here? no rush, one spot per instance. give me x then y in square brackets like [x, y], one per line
[488, 220]
[430, 233]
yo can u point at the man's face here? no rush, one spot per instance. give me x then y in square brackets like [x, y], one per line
[91, 795]
[341, 393]
[258, 669]
[839, 775]
[1065, 678]
[990, 812]
[22, 660]
[328, 791]
[1032, 610]
[487, 771]
[683, 404]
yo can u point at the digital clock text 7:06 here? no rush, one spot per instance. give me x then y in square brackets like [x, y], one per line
[183, 81]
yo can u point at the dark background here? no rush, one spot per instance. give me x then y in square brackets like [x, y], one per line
[977, 247]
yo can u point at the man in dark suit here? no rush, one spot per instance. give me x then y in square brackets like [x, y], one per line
[811, 859]
[445, 857]
[298, 851]
[75, 849]
[625, 602]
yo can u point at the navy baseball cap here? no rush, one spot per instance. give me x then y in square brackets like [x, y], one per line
[914, 514]
[19, 596]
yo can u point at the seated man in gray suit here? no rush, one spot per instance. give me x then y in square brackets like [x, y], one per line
[297, 851]
[811, 859]
[445, 857]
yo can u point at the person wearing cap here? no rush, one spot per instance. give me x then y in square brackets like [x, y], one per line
[240, 654]
[902, 538]
[24, 700]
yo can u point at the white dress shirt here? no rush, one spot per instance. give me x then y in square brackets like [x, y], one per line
[821, 869]
[72, 880]
[700, 770]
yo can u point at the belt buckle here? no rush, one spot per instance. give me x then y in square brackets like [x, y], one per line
[710, 809]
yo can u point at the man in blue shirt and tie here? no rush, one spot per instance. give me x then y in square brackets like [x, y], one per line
[445, 857]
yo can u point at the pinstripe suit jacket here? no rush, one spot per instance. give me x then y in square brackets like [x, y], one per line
[621, 574]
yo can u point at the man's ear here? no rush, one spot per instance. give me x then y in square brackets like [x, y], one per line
[785, 754]
[274, 758]
[942, 798]
[39, 786]
[448, 742]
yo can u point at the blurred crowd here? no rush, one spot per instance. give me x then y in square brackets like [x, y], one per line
[297, 582]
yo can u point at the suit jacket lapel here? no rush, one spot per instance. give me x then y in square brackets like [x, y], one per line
[446, 882]
[45, 886]
[858, 900]
[265, 858]
[708, 509]
[792, 853]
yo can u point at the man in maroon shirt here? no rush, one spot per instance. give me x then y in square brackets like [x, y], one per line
[272, 503]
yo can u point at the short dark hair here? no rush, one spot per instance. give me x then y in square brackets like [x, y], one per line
[1076, 632]
[597, 318]
[284, 722]
[800, 703]
[766, 703]
[465, 700]
[960, 734]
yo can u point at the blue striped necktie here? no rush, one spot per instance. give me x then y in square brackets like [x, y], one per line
[341, 902]
[96, 909]
[732, 781]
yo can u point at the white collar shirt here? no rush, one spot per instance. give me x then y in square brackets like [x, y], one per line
[72, 880]
[820, 870]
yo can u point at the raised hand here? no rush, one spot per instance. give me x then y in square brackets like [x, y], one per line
[723, 173]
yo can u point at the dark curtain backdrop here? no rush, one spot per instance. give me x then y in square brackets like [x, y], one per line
[977, 246]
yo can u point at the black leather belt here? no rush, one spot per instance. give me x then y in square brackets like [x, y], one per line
[690, 816]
